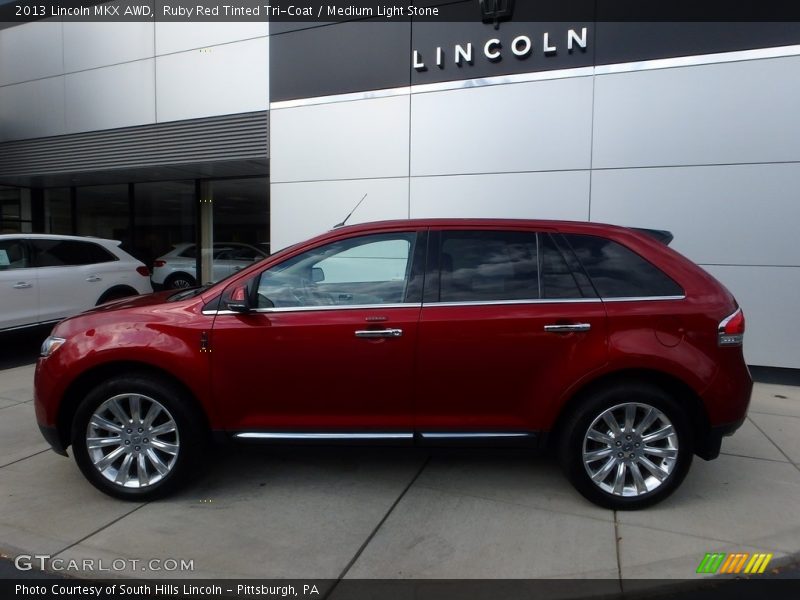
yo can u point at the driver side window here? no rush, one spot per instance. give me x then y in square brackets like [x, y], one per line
[367, 270]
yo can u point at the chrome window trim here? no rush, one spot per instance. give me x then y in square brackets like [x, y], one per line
[456, 435]
[454, 304]
[292, 435]
[644, 298]
[598, 70]
[285, 309]
[513, 302]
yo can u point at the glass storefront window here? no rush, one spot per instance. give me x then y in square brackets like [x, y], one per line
[57, 211]
[238, 223]
[163, 217]
[104, 211]
[15, 210]
[241, 211]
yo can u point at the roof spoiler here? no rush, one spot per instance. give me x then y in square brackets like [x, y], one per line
[661, 235]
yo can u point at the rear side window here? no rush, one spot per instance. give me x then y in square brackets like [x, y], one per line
[618, 272]
[189, 252]
[67, 253]
[488, 265]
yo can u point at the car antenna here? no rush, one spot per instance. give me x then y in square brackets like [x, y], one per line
[351, 213]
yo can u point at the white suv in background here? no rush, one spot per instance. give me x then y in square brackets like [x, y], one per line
[178, 267]
[44, 278]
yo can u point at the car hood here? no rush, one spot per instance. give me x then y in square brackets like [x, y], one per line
[133, 302]
[128, 313]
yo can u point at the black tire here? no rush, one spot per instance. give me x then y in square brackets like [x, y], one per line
[179, 281]
[116, 294]
[576, 428]
[191, 436]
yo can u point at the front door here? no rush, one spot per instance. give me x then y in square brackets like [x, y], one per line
[330, 346]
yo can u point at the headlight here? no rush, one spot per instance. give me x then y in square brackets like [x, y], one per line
[50, 345]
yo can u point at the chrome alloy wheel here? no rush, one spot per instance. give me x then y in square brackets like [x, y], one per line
[630, 449]
[132, 440]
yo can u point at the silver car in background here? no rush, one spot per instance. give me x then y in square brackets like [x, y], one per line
[178, 268]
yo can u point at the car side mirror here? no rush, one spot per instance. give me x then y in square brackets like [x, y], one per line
[237, 306]
[317, 274]
[239, 302]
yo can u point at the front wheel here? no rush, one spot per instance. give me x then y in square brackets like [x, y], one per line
[136, 438]
[627, 447]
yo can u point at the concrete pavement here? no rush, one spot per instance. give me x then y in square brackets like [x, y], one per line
[403, 513]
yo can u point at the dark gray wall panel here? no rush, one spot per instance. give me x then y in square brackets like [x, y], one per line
[626, 42]
[337, 59]
[368, 55]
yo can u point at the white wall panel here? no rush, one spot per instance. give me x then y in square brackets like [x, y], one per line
[552, 195]
[742, 214]
[118, 96]
[769, 297]
[89, 45]
[537, 126]
[30, 51]
[302, 210]
[178, 37]
[343, 140]
[711, 114]
[33, 109]
[221, 80]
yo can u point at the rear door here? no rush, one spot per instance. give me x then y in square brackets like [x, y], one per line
[73, 274]
[506, 326]
[19, 290]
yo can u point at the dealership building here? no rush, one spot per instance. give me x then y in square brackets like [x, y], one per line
[159, 133]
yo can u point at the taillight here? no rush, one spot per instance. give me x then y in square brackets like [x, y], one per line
[731, 329]
[143, 271]
[159, 263]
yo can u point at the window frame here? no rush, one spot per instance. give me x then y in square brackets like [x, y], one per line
[431, 294]
[645, 260]
[414, 285]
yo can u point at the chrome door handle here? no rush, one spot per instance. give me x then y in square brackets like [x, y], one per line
[22, 285]
[567, 328]
[379, 333]
[94, 278]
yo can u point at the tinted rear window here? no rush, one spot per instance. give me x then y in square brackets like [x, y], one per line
[60, 253]
[488, 265]
[618, 272]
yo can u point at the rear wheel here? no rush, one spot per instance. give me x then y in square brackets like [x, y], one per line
[179, 281]
[136, 438]
[627, 447]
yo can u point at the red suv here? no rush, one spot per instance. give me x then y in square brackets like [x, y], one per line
[595, 340]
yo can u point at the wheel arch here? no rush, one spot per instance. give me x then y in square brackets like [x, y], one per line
[116, 289]
[81, 386]
[678, 389]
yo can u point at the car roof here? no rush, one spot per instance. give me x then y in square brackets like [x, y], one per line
[572, 226]
[55, 236]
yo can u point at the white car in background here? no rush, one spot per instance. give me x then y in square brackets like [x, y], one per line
[45, 278]
[178, 268]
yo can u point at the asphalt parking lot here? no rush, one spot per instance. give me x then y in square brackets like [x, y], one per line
[397, 513]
